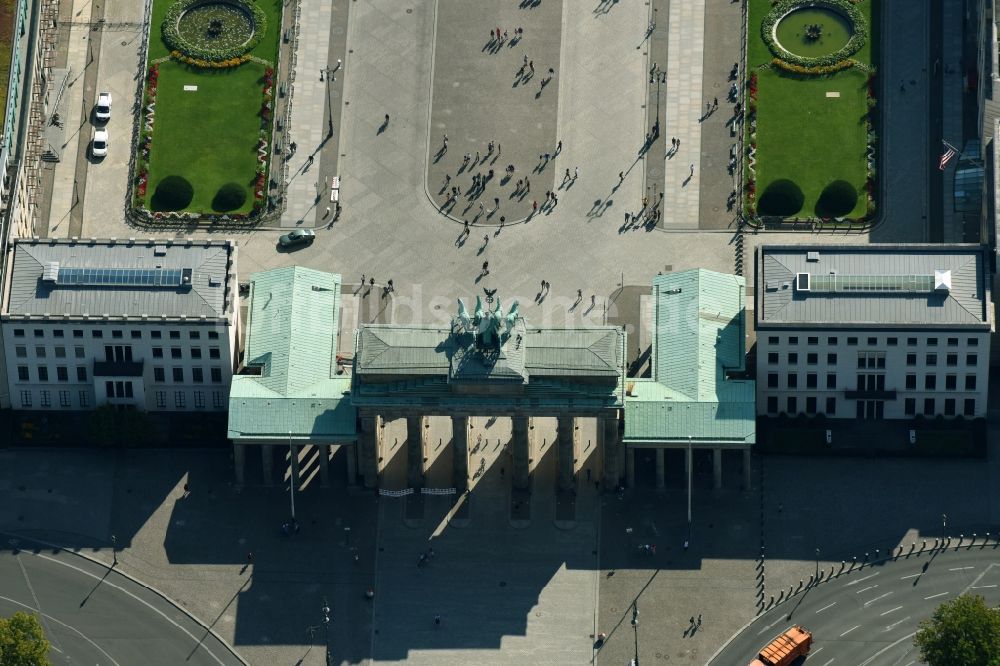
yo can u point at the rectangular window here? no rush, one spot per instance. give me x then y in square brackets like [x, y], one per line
[951, 360]
[812, 340]
[45, 398]
[213, 335]
[928, 406]
[872, 342]
[117, 335]
[970, 382]
[772, 380]
[175, 335]
[64, 400]
[196, 352]
[831, 341]
[792, 404]
[931, 359]
[862, 360]
[179, 399]
[199, 399]
[971, 359]
[155, 335]
[78, 352]
[119, 389]
[43, 373]
[62, 373]
[910, 406]
[194, 335]
[175, 352]
[60, 352]
[22, 373]
[930, 382]
[793, 381]
[952, 342]
[831, 406]
[950, 382]
[932, 342]
[178, 374]
[793, 340]
[812, 359]
[852, 342]
[25, 398]
[217, 375]
[39, 333]
[811, 405]
[97, 333]
[84, 399]
[109, 389]
[972, 342]
[213, 352]
[831, 359]
[40, 352]
[911, 342]
[18, 332]
[812, 380]
[136, 335]
[831, 381]
[197, 375]
[949, 406]
[772, 358]
[911, 382]
[77, 333]
[161, 399]
[157, 352]
[793, 358]
[81, 373]
[159, 375]
[772, 404]
[970, 407]
[892, 342]
[217, 399]
[128, 390]
[21, 351]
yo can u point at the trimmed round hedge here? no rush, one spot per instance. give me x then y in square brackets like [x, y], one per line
[837, 199]
[785, 7]
[173, 193]
[175, 41]
[229, 197]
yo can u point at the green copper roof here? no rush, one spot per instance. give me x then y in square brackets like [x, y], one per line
[699, 334]
[291, 336]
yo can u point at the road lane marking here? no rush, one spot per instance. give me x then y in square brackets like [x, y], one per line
[850, 630]
[961, 568]
[886, 649]
[982, 587]
[825, 607]
[896, 623]
[68, 626]
[828, 663]
[892, 610]
[871, 601]
[934, 596]
[978, 578]
[770, 625]
[870, 587]
[911, 576]
[855, 582]
[815, 652]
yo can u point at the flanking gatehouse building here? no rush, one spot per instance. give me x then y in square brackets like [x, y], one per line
[873, 331]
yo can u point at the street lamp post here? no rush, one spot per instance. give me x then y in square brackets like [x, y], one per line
[291, 474]
[817, 565]
[114, 551]
[944, 524]
[326, 629]
[328, 74]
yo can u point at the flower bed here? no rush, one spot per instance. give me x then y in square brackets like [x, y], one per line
[784, 7]
[189, 27]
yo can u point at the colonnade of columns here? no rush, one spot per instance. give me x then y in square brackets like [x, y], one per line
[321, 460]
[660, 468]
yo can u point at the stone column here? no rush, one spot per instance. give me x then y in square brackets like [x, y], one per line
[415, 451]
[564, 452]
[630, 467]
[323, 460]
[293, 458]
[746, 469]
[660, 480]
[460, 452]
[368, 439]
[352, 463]
[267, 459]
[717, 468]
[239, 462]
[522, 452]
[612, 446]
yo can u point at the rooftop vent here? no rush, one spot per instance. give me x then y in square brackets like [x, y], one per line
[50, 273]
[812, 256]
[942, 280]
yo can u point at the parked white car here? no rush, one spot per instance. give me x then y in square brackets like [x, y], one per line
[102, 110]
[99, 146]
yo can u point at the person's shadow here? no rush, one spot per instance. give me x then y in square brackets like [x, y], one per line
[383, 126]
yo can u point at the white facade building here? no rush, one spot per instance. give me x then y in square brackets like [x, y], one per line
[144, 324]
[873, 332]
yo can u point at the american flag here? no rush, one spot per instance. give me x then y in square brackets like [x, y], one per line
[946, 156]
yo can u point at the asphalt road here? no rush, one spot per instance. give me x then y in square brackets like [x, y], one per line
[868, 617]
[93, 615]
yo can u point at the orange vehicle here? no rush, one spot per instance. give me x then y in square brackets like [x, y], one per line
[785, 649]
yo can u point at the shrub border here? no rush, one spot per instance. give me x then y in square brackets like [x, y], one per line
[785, 7]
[175, 42]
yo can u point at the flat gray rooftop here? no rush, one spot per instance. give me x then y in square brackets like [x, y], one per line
[121, 278]
[875, 285]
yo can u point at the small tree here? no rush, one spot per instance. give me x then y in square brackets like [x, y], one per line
[22, 642]
[962, 631]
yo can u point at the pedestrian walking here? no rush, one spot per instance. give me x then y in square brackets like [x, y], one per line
[593, 299]
[534, 207]
[327, 213]
[437, 620]
[371, 282]
[558, 145]
[477, 157]
[715, 102]
[692, 170]
[502, 220]
[498, 150]
[482, 207]
[576, 172]
[504, 37]
[486, 240]
[527, 185]
[699, 619]
[567, 176]
[627, 217]
[465, 160]
[519, 183]
[250, 558]
[678, 143]
[362, 279]
[447, 179]
[645, 201]
[621, 177]
[486, 268]
[496, 202]
[466, 231]
[525, 60]
[548, 195]
[555, 199]
[489, 176]
[531, 67]
[579, 294]
[389, 285]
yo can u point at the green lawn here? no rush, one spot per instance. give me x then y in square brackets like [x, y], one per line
[807, 141]
[209, 136]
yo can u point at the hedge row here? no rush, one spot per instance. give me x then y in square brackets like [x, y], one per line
[783, 7]
[172, 37]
